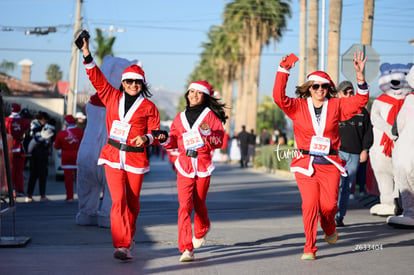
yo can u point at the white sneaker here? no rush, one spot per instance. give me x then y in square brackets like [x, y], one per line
[28, 199]
[197, 243]
[122, 253]
[187, 256]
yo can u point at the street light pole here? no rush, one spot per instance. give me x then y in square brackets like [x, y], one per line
[74, 65]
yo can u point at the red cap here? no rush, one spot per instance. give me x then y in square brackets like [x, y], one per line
[133, 72]
[202, 86]
[321, 77]
[15, 108]
[69, 119]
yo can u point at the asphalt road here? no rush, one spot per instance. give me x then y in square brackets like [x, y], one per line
[256, 229]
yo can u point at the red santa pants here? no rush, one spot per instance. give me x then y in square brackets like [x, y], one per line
[70, 177]
[192, 192]
[17, 175]
[125, 188]
[319, 197]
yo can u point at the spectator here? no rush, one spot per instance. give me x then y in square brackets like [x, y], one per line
[252, 147]
[243, 139]
[42, 131]
[265, 137]
[68, 140]
[16, 126]
[80, 120]
[356, 139]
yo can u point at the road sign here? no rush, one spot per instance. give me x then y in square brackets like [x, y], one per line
[371, 66]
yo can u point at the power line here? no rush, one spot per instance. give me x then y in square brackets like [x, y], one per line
[393, 54]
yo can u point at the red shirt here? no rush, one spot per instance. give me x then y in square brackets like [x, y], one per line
[16, 126]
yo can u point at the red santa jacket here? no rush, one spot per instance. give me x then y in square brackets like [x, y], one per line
[143, 117]
[16, 126]
[202, 165]
[305, 125]
[68, 140]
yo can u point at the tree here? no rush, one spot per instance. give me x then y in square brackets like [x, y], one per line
[334, 37]
[256, 22]
[367, 22]
[53, 73]
[7, 66]
[313, 37]
[302, 42]
[269, 115]
[104, 46]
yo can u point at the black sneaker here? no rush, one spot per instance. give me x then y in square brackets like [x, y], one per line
[339, 223]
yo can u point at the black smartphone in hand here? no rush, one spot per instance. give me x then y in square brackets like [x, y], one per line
[79, 40]
[156, 133]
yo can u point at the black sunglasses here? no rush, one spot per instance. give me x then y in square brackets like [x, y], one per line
[324, 86]
[348, 92]
[130, 81]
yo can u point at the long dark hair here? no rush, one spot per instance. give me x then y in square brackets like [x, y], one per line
[144, 89]
[214, 105]
[303, 91]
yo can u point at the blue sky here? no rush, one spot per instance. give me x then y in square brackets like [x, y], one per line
[167, 35]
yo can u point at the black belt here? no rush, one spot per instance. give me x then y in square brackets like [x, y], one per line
[331, 152]
[125, 147]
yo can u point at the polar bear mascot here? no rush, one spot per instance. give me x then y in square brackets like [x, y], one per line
[91, 177]
[403, 160]
[384, 111]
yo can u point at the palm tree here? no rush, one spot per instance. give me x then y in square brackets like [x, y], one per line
[225, 56]
[269, 115]
[217, 65]
[302, 42]
[7, 66]
[313, 48]
[104, 46]
[257, 22]
[334, 37]
[53, 73]
[367, 22]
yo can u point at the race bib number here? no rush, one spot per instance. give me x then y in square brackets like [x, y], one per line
[320, 146]
[119, 131]
[192, 140]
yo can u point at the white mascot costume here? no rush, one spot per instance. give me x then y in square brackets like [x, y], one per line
[91, 182]
[403, 160]
[384, 111]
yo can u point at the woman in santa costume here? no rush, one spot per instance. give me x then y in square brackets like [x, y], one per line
[315, 115]
[196, 132]
[68, 140]
[130, 118]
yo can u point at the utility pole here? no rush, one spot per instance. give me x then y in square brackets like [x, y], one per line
[74, 64]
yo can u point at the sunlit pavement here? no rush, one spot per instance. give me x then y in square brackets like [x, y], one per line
[256, 228]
